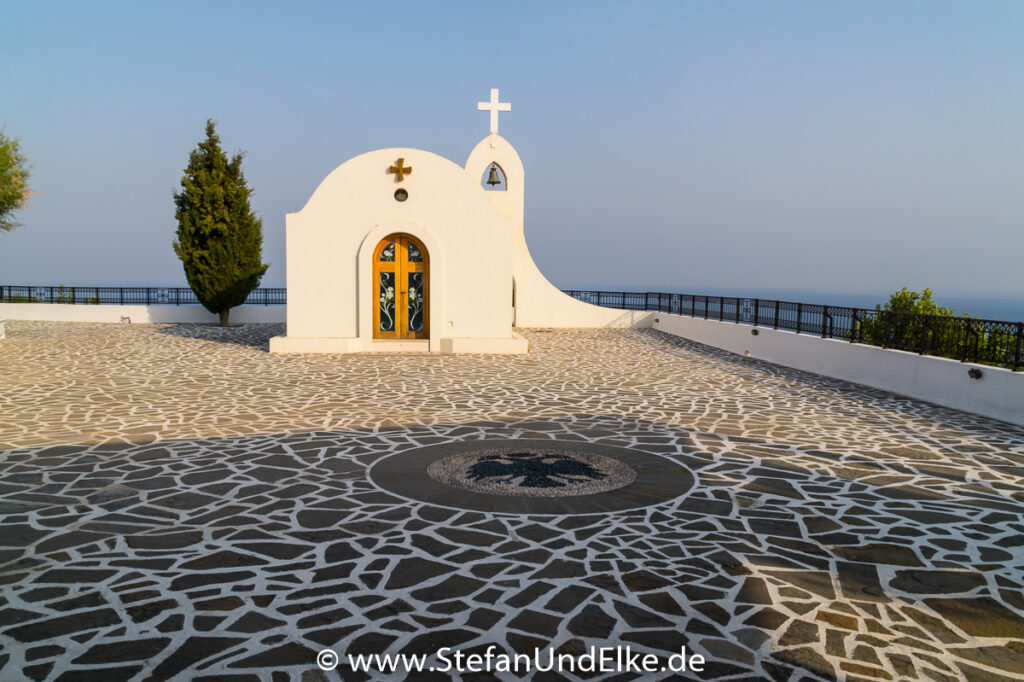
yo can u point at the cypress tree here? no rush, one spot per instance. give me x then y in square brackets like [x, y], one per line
[219, 238]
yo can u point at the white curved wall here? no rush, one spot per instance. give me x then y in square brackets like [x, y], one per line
[998, 394]
[539, 303]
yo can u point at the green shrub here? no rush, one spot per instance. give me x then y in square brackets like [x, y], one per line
[913, 321]
[64, 295]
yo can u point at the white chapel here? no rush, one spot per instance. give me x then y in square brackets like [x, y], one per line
[402, 250]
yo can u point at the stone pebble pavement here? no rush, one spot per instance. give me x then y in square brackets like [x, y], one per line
[176, 503]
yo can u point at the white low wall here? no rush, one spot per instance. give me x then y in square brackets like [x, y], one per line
[60, 312]
[999, 393]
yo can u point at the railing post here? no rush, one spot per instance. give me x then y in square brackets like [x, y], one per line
[51, 294]
[721, 308]
[120, 292]
[737, 309]
[776, 323]
[1019, 346]
[976, 348]
[757, 311]
[853, 326]
[824, 316]
[147, 295]
[266, 297]
[799, 316]
[177, 295]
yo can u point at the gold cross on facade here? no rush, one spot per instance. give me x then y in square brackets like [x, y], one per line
[401, 170]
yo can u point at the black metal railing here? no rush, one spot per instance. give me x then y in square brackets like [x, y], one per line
[991, 342]
[124, 295]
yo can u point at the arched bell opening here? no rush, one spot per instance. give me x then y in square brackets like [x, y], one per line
[493, 178]
[401, 305]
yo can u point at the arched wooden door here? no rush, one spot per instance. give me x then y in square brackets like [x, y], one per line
[401, 306]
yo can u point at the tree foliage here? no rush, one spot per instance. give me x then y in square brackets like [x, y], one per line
[906, 301]
[899, 324]
[14, 175]
[912, 321]
[219, 238]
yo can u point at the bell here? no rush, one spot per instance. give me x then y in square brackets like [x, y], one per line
[493, 178]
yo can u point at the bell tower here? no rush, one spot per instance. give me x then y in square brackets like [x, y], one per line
[498, 160]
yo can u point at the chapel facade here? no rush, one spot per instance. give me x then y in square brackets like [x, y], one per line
[401, 250]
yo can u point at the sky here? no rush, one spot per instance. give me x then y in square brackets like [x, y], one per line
[699, 147]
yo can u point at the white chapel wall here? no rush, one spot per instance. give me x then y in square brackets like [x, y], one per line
[331, 242]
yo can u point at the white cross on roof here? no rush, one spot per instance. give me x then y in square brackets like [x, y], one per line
[494, 106]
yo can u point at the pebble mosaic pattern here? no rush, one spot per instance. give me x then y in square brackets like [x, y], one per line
[176, 503]
[532, 473]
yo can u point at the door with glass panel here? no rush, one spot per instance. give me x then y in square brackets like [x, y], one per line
[400, 271]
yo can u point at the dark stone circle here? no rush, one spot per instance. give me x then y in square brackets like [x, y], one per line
[535, 470]
[547, 472]
[658, 479]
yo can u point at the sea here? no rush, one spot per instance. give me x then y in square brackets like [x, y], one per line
[994, 307]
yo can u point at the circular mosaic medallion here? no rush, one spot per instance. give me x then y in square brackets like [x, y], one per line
[538, 472]
[529, 476]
